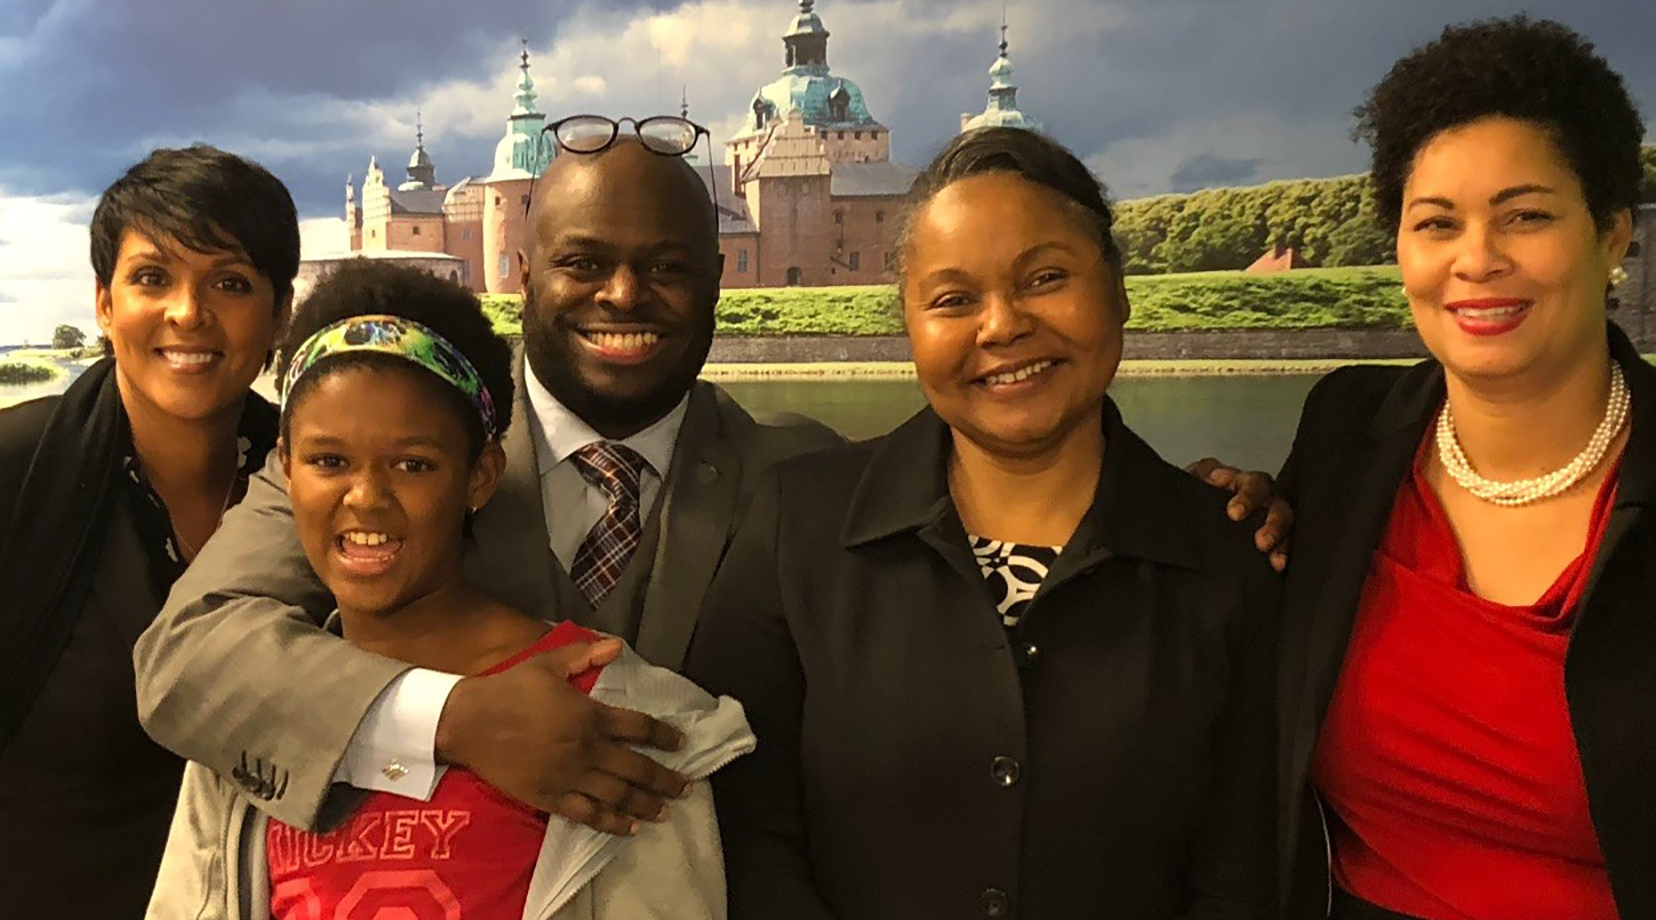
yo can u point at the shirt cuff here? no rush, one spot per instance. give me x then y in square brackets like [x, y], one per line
[394, 748]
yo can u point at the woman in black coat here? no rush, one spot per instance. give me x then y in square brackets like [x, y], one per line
[1469, 654]
[107, 492]
[1004, 661]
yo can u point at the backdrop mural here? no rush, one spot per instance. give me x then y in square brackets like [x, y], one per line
[406, 132]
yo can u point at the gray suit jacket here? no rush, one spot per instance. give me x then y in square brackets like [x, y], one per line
[237, 674]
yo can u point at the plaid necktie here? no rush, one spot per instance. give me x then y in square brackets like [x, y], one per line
[614, 468]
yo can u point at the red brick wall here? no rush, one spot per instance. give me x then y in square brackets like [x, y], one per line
[869, 231]
[422, 233]
[465, 239]
[732, 247]
[503, 234]
[796, 230]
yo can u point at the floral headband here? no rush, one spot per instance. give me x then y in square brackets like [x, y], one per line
[403, 338]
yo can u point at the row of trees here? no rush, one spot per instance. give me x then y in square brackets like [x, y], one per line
[1329, 222]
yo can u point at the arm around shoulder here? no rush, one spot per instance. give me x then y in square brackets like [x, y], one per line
[236, 672]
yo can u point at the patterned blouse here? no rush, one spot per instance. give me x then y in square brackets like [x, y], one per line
[1013, 572]
[255, 439]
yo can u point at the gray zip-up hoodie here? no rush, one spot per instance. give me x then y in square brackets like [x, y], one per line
[215, 866]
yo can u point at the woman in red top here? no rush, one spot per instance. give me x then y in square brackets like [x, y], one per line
[1469, 658]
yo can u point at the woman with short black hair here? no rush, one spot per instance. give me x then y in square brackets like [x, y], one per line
[111, 489]
[1469, 654]
[1004, 661]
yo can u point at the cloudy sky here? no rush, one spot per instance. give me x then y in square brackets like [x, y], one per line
[1157, 95]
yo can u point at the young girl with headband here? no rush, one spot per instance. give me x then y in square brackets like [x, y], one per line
[396, 393]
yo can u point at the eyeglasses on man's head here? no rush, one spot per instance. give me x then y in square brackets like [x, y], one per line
[668, 135]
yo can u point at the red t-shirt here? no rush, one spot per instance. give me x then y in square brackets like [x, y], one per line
[467, 854]
[1447, 759]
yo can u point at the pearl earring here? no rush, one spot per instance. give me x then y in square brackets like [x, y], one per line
[1618, 276]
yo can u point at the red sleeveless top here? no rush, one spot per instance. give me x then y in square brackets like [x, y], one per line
[467, 854]
[1447, 758]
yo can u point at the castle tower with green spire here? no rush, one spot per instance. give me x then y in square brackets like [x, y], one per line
[522, 154]
[1003, 97]
[831, 107]
[811, 177]
[422, 173]
[523, 151]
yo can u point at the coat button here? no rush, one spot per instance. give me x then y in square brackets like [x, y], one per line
[707, 473]
[1026, 655]
[996, 904]
[1004, 771]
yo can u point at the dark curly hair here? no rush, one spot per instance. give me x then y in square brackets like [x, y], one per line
[363, 287]
[1537, 71]
[1028, 154]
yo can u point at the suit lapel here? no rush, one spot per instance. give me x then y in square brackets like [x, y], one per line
[512, 558]
[1350, 557]
[1608, 665]
[1373, 471]
[698, 504]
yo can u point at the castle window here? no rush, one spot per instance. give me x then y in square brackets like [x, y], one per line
[416, 230]
[839, 218]
[505, 266]
[839, 105]
[858, 136]
[842, 135]
[879, 217]
[741, 262]
[856, 261]
[465, 233]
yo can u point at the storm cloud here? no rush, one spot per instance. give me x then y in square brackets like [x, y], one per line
[1157, 95]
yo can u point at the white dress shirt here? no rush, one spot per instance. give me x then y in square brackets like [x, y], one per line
[394, 746]
[558, 434]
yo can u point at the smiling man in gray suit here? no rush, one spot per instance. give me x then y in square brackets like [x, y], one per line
[625, 479]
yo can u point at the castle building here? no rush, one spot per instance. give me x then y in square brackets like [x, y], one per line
[477, 223]
[808, 195]
[1003, 98]
[813, 192]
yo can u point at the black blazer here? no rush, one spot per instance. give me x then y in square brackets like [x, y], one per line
[1113, 758]
[1357, 438]
[86, 797]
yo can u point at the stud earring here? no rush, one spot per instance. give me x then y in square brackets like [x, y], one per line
[1618, 276]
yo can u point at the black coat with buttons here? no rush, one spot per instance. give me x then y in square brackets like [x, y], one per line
[1111, 756]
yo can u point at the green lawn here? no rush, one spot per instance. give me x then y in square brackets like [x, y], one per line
[1315, 298]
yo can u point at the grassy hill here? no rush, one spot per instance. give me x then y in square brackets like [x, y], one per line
[1315, 298]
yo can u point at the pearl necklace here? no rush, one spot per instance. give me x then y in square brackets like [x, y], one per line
[1526, 491]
